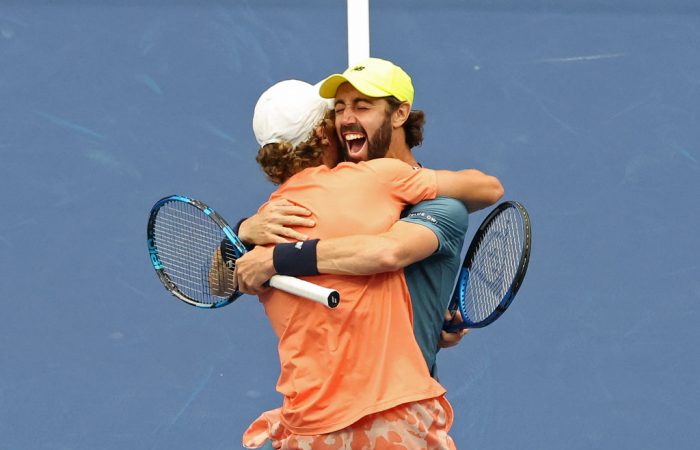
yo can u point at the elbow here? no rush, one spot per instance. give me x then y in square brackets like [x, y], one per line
[492, 190]
[389, 259]
[497, 190]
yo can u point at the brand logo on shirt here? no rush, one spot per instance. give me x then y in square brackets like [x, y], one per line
[424, 216]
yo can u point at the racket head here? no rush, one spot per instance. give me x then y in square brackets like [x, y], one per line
[494, 266]
[182, 236]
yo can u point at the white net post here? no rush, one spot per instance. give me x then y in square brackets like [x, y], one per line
[358, 30]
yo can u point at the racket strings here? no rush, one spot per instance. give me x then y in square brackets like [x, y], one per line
[187, 239]
[494, 265]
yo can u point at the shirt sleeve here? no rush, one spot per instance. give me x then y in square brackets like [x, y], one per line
[409, 185]
[446, 217]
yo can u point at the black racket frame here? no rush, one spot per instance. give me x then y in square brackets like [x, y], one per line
[463, 278]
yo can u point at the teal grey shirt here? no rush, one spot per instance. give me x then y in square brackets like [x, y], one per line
[431, 281]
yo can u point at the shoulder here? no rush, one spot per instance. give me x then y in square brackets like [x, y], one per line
[387, 165]
[397, 172]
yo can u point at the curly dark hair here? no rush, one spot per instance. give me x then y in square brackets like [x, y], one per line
[281, 160]
[413, 127]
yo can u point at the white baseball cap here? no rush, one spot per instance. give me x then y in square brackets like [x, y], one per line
[288, 112]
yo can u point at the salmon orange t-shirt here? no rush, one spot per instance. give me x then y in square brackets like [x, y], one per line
[339, 365]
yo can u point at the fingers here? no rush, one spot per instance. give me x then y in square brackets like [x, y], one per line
[247, 288]
[290, 208]
[274, 224]
[285, 206]
[252, 270]
[454, 316]
[235, 279]
[448, 340]
[286, 213]
[281, 234]
[453, 337]
[292, 216]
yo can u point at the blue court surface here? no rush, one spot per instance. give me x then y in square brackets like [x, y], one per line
[588, 111]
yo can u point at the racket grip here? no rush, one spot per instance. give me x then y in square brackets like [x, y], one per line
[453, 328]
[320, 294]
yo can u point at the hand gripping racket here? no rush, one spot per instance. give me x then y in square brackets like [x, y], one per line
[184, 237]
[493, 268]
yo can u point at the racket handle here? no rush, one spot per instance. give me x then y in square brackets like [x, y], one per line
[320, 294]
[453, 328]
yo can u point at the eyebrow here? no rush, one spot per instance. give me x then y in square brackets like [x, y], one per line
[357, 100]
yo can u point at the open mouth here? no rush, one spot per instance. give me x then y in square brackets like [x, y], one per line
[355, 142]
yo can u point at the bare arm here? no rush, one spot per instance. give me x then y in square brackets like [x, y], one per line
[472, 187]
[404, 244]
[273, 224]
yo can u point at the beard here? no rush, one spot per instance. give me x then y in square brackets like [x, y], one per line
[377, 144]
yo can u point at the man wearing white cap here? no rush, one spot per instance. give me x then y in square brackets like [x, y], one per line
[354, 373]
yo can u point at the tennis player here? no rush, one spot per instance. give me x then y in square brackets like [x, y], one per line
[354, 373]
[431, 233]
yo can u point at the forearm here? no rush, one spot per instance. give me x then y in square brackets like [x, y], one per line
[404, 244]
[473, 188]
[359, 255]
[244, 233]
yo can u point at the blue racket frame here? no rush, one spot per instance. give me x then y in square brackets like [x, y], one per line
[238, 247]
[458, 300]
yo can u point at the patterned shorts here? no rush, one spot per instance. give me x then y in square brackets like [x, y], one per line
[411, 426]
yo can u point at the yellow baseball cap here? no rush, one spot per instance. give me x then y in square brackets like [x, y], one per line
[373, 77]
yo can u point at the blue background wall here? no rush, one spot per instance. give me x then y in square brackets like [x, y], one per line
[587, 110]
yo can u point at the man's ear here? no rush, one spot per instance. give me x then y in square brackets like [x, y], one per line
[399, 117]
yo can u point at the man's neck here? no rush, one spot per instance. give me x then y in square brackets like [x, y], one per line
[403, 153]
[398, 148]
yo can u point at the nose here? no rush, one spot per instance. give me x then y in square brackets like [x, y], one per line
[347, 117]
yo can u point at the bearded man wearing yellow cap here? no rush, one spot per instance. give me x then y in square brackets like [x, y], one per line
[364, 395]
[373, 100]
[374, 118]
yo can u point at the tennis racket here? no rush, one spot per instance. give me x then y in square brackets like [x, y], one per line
[493, 268]
[185, 240]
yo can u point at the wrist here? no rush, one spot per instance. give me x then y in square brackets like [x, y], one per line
[296, 258]
[268, 266]
[240, 230]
